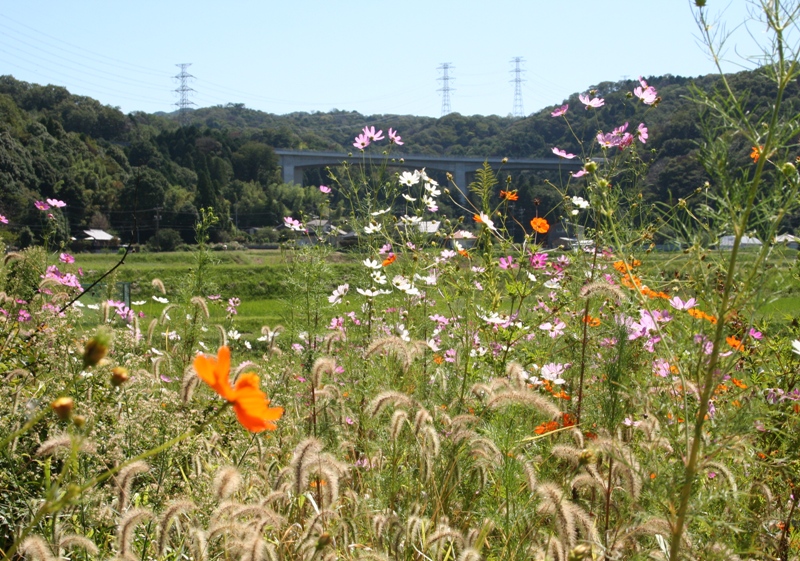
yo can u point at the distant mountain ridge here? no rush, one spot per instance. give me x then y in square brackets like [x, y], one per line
[104, 163]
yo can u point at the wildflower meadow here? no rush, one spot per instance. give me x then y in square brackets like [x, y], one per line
[470, 391]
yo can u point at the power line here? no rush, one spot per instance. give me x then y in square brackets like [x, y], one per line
[445, 89]
[518, 111]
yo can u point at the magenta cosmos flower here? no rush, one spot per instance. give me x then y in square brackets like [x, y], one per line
[325, 189]
[41, 205]
[560, 111]
[3, 219]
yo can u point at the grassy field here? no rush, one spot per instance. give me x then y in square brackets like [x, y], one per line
[258, 278]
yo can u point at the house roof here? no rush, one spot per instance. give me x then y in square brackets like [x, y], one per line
[98, 235]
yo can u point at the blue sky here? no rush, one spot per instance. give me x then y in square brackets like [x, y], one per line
[372, 56]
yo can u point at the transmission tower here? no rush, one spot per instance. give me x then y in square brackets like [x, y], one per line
[183, 91]
[445, 89]
[518, 112]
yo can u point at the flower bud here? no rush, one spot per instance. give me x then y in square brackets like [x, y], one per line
[96, 348]
[119, 375]
[63, 407]
[590, 166]
[587, 457]
[788, 169]
[580, 552]
[79, 421]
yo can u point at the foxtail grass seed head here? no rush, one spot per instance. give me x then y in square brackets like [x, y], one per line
[63, 407]
[97, 347]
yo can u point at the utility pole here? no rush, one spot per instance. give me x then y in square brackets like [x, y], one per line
[445, 89]
[183, 91]
[518, 111]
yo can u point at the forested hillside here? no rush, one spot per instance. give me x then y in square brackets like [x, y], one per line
[117, 171]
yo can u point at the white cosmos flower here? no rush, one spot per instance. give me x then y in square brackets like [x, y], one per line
[531, 277]
[233, 334]
[160, 300]
[409, 198]
[796, 346]
[430, 280]
[580, 202]
[379, 212]
[372, 264]
[552, 284]
[486, 220]
[379, 278]
[137, 303]
[369, 293]
[336, 296]
[372, 228]
[248, 345]
[411, 219]
[430, 203]
[408, 179]
[431, 187]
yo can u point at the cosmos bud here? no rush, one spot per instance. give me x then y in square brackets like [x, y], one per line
[63, 407]
[97, 347]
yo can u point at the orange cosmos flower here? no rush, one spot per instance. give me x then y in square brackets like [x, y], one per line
[591, 321]
[734, 343]
[389, 260]
[549, 426]
[249, 403]
[509, 195]
[739, 384]
[540, 225]
[756, 153]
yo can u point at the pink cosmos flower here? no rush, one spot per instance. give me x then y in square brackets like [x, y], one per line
[560, 111]
[362, 141]
[508, 263]
[325, 189]
[554, 330]
[578, 174]
[538, 260]
[562, 153]
[41, 205]
[370, 133]
[394, 138]
[293, 224]
[595, 102]
[647, 94]
[3, 219]
[679, 304]
[625, 141]
[55, 203]
[641, 133]
[66, 258]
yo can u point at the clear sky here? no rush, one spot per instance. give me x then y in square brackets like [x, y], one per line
[372, 56]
